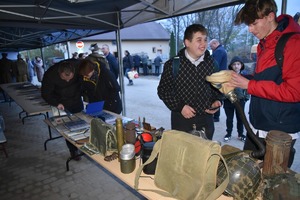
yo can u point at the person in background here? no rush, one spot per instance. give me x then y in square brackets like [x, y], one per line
[137, 61]
[220, 55]
[6, 66]
[61, 89]
[22, 69]
[30, 69]
[145, 59]
[237, 65]
[191, 99]
[297, 17]
[128, 65]
[99, 84]
[112, 61]
[157, 64]
[95, 56]
[75, 55]
[39, 68]
[275, 92]
[82, 56]
[5, 73]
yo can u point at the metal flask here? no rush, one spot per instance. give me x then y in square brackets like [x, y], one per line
[127, 158]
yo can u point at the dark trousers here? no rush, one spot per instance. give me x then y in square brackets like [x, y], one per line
[217, 114]
[71, 147]
[157, 70]
[145, 69]
[230, 109]
[137, 68]
[250, 145]
[178, 122]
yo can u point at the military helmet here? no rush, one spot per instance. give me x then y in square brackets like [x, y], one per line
[282, 186]
[244, 176]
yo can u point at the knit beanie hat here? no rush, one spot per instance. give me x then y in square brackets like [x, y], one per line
[236, 59]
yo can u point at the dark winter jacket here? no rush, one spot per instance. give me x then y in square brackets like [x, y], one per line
[103, 86]
[128, 62]
[113, 64]
[57, 91]
[220, 55]
[241, 94]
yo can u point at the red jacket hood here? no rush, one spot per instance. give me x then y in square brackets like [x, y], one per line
[286, 24]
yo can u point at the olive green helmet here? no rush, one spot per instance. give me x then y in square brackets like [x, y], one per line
[244, 176]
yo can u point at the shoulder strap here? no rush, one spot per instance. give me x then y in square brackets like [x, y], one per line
[153, 155]
[175, 66]
[280, 47]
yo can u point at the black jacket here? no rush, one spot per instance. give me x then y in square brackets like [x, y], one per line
[190, 86]
[55, 90]
[103, 86]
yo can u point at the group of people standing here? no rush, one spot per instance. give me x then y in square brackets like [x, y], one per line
[70, 82]
[136, 61]
[20, 70]
[275, 92]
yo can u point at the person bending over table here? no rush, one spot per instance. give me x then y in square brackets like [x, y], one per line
[61, 88]
[100, 84]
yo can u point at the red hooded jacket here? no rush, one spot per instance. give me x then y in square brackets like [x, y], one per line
[275, 101]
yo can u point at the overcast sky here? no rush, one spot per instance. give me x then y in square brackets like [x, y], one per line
[293, 6]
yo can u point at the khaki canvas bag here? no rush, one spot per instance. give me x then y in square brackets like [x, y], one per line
[186, 167]
[103, 136]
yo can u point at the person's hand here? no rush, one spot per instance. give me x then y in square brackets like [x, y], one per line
[60, 107]
[238, 80]
[214, 107]
[188, 112]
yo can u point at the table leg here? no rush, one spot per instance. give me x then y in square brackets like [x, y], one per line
[50, 134]
[50, 138]
[31, 116]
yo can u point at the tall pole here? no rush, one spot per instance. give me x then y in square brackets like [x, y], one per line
[283, 6]
[121, 73]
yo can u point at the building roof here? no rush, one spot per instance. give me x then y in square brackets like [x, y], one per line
[146, 31]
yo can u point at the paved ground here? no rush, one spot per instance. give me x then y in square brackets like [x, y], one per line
[31, 173]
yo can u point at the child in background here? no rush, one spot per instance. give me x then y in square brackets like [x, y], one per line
[236, 65]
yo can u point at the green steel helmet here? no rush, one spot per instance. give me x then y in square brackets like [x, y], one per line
[245, 177]
[282, 186]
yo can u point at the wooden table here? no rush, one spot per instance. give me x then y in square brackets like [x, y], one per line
[114, 168]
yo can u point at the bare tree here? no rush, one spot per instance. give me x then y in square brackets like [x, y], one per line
[220, 25]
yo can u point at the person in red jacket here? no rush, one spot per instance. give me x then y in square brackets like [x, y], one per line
[275, 91]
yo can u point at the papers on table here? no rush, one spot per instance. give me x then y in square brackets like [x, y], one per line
[78, 135]
[72, 126]
[76, 125]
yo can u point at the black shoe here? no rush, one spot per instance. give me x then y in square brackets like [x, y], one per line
[242, 138]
